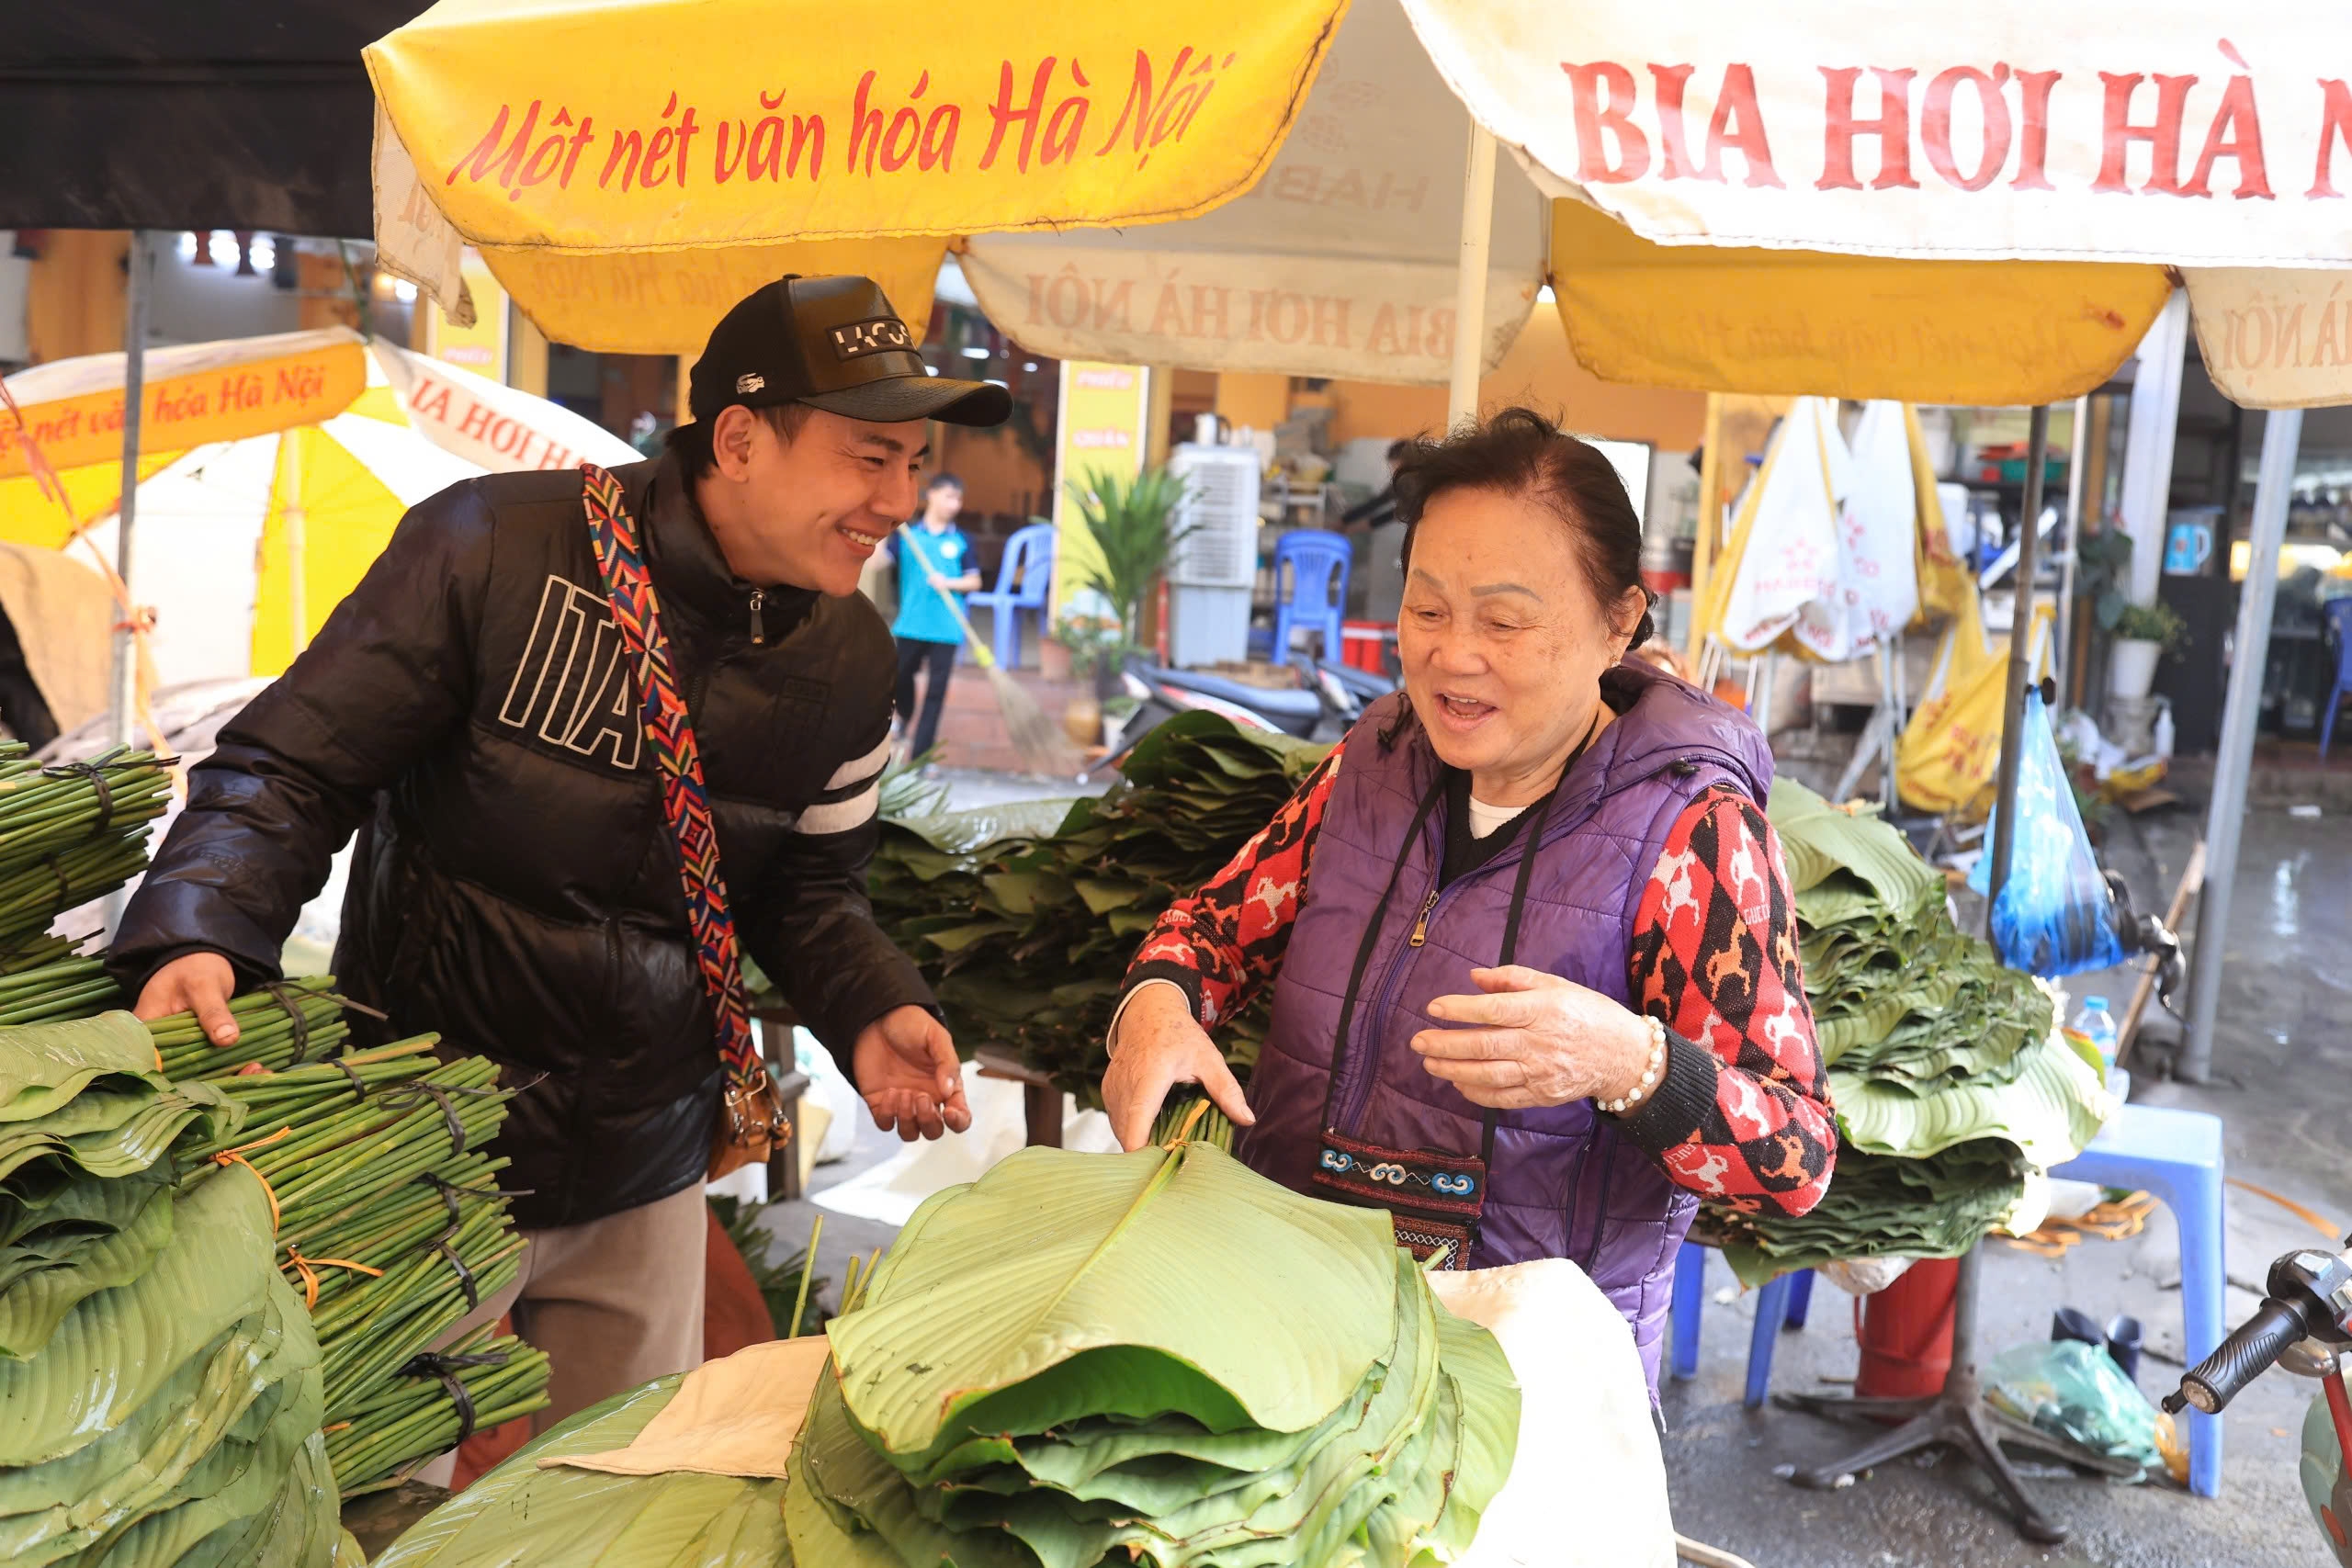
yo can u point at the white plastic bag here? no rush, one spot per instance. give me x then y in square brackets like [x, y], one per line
[1876, 589]
[1790, 559]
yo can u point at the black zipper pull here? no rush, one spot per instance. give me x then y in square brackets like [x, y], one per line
[1421, 926]
[759, 625]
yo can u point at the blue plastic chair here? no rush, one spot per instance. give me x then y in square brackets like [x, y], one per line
[1022, 584]
[1782, 1305]
[1317, 596]
[2176, 1155]
[2339, 631]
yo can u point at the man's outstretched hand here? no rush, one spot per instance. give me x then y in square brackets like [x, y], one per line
[200, 983]
[907, 1070]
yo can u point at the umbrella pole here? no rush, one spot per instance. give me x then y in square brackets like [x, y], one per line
[2020, 657]
[298, 606]
[2282, 432]
[1959, 1417]
[1470, 280]
[2074, 465]
[122, 718]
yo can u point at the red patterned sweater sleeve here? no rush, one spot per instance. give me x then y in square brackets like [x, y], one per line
[1227, 940]
[1743, 1112]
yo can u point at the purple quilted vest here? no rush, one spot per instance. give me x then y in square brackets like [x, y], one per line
[1564, 1183]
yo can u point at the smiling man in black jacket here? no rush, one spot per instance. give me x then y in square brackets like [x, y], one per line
[468, 712]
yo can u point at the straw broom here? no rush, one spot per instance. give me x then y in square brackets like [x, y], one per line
[1034, 736]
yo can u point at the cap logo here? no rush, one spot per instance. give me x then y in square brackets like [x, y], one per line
[861, 338]
[747, 384]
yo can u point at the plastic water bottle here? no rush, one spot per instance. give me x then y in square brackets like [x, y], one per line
[2165, 733]
[2096, 1025]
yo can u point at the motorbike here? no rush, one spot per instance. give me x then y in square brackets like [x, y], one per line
[2305, 1326]
[1323, 703]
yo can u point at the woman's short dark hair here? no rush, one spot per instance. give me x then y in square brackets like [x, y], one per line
[1519, 453]
[692, 442]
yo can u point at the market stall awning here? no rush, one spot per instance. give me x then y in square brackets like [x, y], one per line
[1341, 261]
[158, 114]
[1738, 319]
[577, 128]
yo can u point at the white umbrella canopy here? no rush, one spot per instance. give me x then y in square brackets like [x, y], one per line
[1342, 260]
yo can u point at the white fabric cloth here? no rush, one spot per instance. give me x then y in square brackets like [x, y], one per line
[892, 1190]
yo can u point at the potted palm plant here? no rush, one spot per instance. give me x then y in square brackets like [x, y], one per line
[1132, 523]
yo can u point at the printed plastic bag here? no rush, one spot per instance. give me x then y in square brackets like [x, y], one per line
[2072, 1389]
[2054, 914]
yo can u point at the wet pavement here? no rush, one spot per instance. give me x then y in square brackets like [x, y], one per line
[2283, 1085]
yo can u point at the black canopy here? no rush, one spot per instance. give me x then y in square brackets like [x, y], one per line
[189, 114]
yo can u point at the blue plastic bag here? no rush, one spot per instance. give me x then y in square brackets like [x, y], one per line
[2054, 914]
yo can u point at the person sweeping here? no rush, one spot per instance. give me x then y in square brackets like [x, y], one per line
[935, 571]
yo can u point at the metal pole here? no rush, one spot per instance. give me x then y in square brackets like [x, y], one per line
[2282, 432]
[2073, 541]
[2020, 654]
[123, 713]
[1470, 281]
[295, 521]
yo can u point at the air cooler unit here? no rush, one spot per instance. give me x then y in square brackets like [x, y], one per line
[1213, 566]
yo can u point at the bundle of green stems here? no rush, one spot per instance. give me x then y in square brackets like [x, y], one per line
[414, 1414]
[268, 1032]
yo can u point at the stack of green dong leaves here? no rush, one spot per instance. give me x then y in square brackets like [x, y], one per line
[1058, 1365]
[161, 1381]
[68, 834]
[390, 1221]
[1951, 1080]
[1025, 920]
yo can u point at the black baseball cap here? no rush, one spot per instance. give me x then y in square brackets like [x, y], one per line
[833, 344]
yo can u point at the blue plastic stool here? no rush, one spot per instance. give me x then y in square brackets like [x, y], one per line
[1317, 598]
[2339, 631]
[1782, 1305]
[2177, 1156]
[1023, 580]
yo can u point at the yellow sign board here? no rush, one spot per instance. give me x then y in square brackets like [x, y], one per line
[482, 348]
[1100, 432]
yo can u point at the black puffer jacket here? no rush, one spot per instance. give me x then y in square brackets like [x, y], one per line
[468, 712]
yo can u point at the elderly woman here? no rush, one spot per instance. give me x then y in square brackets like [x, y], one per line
[1533, 955]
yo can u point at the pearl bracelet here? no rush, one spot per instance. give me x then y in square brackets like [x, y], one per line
[1640, 1091]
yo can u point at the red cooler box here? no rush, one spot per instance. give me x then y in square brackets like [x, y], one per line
[1363, 645]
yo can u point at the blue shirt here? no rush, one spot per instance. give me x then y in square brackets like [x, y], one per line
[923, 614]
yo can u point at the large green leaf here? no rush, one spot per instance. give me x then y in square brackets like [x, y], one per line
[33, 1304]
[111, 1132]
[215, 1271]
[239, 1478]
[1882, 1206]
[579, 1519]
[1817, 839]
[51, 1511]
[44, 1066]
[2051, 1109]
[1077, 1283]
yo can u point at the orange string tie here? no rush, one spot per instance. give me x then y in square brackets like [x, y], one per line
[227, 1158]
[1191, 1119]
[309, 1267]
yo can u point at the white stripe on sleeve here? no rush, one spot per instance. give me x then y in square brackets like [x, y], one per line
[864, 768]
[840, 816]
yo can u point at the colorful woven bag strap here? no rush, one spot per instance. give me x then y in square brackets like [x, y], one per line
[685, 801]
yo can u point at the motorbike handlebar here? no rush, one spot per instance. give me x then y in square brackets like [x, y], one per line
[2250, 1350]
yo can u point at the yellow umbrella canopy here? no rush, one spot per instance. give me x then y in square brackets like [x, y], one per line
[558, 134]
